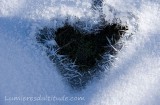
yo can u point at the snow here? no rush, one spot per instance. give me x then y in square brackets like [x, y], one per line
[26, 70]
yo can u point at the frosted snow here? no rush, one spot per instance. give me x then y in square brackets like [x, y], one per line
[26, 71]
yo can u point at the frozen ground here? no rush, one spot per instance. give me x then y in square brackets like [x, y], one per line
[26, 71]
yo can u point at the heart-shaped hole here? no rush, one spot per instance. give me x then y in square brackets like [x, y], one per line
[82, 50]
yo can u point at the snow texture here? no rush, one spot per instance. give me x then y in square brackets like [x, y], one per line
[25, 70]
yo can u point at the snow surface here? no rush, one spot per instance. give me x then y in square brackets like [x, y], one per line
[26, 71]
